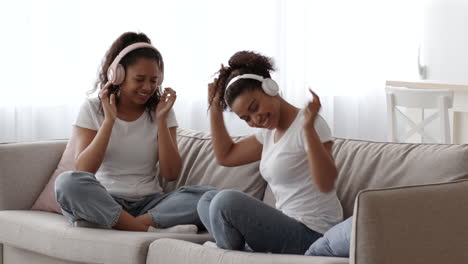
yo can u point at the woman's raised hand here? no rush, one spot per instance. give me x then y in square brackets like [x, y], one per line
[108, 103]
[165, 104]
[311, 110]
[213, 95]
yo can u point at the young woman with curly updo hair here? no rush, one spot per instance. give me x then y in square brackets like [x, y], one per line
[120, 136]
[294, 148]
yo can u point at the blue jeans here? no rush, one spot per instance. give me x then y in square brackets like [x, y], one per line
[235, 219]
[335, 242]
[82, 197]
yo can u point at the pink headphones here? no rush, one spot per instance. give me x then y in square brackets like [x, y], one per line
[116, 72]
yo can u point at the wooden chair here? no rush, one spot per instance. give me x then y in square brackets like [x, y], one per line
[440, 100]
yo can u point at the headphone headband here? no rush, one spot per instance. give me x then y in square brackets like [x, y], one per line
[116, 73]
[245, 76]
[269, 86]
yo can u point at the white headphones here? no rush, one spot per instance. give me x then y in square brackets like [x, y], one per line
[116, 72]
[269, 85]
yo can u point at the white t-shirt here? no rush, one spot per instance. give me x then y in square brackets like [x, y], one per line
[284, 165]
[128, 168]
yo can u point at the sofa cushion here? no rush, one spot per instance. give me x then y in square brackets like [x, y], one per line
[180, 252]
[50, 234]
[200, 167]
[46, 200]
[18, 255]
[25, 169]
[365, 165]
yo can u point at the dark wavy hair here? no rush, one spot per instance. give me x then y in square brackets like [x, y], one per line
[131, 58]
[241, 62]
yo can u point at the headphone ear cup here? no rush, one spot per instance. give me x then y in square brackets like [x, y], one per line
[116, 75]
[270, 87]
[119, 75]
[110, 75]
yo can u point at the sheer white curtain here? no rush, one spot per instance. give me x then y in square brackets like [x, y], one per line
[51, 51]
[344, 50]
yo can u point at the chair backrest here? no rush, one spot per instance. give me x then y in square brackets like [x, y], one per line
[439, 99]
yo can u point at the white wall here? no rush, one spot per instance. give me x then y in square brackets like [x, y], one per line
[445, 40]
[444, 50]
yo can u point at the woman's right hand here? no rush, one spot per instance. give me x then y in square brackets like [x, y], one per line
[108, 104]
[213, 95]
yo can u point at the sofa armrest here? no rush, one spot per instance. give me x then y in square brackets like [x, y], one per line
[174, 251]
[25, 168]
[415, 224]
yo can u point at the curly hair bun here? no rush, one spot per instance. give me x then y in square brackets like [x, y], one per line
[241, 62]
[250, 60]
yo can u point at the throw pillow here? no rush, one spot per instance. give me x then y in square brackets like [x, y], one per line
[335, 242]
[46, 200]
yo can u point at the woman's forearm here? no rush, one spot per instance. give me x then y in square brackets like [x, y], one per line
[222, 142]
[170, 162]
[322, 166]
[90, 159]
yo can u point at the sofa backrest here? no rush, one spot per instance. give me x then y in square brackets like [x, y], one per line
[365, 165]
[25, 169]
[199, 167]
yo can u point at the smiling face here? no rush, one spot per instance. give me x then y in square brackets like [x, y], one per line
[257, 109]
[142, 79]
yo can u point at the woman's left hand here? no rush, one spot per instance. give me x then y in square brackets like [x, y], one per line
[311, 110]
[165, 104]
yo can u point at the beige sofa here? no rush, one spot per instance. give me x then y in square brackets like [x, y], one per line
[415, 224]
[411, 207]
